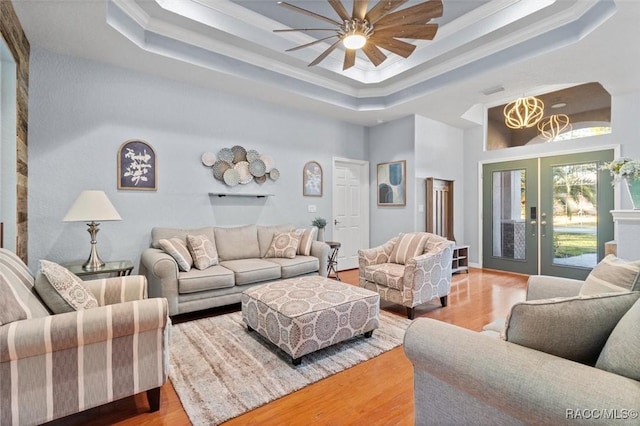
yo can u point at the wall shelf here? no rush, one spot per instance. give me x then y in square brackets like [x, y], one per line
[225, 194]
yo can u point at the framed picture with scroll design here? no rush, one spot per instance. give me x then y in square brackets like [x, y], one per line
[137, 166]
[312, 179]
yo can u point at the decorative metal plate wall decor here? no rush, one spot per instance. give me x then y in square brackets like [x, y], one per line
[137, 166]
[237, 165]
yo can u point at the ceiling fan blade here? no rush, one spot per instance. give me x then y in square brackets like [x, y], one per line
[340, 10]
[308, 12]
[398, 47]
[417, 14]
[325, 53]
[349, 59]
[310, 44]
[304, 29]
[421, 32]
[374, 54]
[359, 9]
[382, 8]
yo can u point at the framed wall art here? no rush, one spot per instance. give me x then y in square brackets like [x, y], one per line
[137, 166]
[392, 184]
[312, 179]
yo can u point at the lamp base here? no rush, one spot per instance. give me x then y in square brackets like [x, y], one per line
[94, 262]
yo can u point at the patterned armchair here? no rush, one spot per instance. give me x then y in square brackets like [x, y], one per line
[410, 269]
[53, 365]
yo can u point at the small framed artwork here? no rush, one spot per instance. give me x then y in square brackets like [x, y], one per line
[392, 184]
[137, 167]
[312, 179]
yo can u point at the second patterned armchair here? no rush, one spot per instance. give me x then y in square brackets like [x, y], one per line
[410, 269]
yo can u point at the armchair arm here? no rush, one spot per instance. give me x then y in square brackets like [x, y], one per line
[161, 271]
[496, 382]
[375, 255]
[113, 290]
[320, 250]
[547, 287]
[435, 279]
[38, 336]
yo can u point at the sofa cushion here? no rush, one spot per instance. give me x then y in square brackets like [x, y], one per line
[266, 233]
[612, 274]
[202, 250]
[574, 328]
[177, 249]
[10, 304]
[160, 233]
[299, 265]
[237, 243]
[307, 237]
[385, 274]
[284, 244]
[248, 271]
[62, 290]
[19, 277]
[408, 247]
[212, 278]
[620, 353]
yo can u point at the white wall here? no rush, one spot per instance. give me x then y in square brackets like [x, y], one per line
[392, 141]
[81, 111]
[625, 110]
[439, 153]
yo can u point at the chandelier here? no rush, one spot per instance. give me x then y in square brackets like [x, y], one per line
[523, 113]
[554, 125]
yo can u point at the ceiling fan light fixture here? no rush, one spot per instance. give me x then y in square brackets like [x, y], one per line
[354, 41]
[523, 113]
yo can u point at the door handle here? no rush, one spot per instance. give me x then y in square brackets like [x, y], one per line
[336, 221]
[533, 228]
[543, 225]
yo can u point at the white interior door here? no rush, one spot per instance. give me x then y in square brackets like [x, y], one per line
[350, 210]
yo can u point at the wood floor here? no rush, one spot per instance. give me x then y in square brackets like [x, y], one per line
[379, 391]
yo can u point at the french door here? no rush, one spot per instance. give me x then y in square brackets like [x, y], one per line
[547, 215]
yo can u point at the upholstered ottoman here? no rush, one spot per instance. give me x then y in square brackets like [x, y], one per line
[302, 315]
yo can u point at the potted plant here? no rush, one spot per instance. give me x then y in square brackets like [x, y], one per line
[628, 170]
[319, 223]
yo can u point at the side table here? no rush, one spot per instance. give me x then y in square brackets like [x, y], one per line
[332, 265]
[119, 268]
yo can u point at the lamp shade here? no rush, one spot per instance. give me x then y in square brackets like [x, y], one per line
[91, 206]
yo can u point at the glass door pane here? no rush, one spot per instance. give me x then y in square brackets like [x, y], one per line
[509, 199]
[575, 215]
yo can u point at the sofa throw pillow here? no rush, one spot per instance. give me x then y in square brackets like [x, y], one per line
[284, 244]
[612, 274]
[574, 328]
[620, 353]
[202, 250]
[177, 249]
[307, 237]
[11, 308]
[408, 247]
[62, 290]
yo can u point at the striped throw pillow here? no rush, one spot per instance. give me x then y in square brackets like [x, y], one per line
[177, 249]
[612, 275]
[307, 237]
[408, 247]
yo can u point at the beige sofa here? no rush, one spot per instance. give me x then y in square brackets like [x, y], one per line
[574, 363]
[54, 365]
[241, 252]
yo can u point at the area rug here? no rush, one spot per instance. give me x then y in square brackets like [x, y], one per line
[221, 371]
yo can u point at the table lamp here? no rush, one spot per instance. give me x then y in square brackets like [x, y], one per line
[92, 207]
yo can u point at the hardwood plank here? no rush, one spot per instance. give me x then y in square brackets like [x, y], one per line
[378, 391]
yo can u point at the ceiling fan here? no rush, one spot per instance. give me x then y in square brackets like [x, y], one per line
[380, 27]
